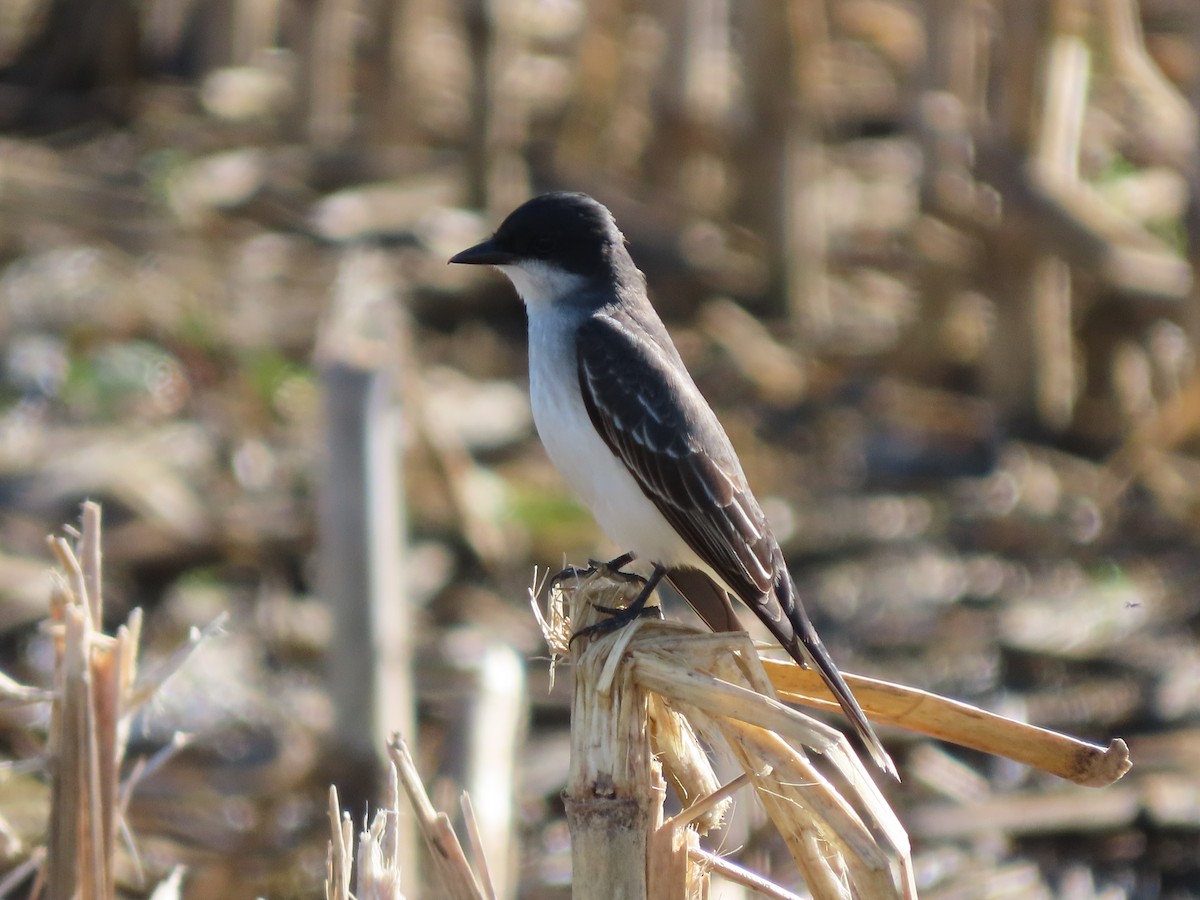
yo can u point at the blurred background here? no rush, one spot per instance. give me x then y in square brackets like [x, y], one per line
[933, 262]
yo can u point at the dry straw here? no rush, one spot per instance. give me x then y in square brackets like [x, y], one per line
[375, 862]
[97, 690]
[650, 699]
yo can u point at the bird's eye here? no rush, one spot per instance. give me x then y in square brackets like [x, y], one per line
[542, 245]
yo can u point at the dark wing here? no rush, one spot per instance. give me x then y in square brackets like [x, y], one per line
[651, 414]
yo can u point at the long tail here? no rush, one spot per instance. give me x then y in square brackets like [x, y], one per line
[796, 633]
[784, 615]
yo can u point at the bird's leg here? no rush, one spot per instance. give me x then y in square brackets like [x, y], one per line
[619, 617]
[612, 568]
[577, 573]
[616, 564]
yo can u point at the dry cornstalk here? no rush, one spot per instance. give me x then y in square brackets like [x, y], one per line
[645, 692]
[92, 703]
[377, 856]
[960, 723]
[373, 866]
[455, 875]
[93, 674]
[644, 695]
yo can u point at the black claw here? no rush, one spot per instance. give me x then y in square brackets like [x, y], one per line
[620, 562]
[619, 617]
[628, 612]
[612, 568]
[570, 572]
[622, 616]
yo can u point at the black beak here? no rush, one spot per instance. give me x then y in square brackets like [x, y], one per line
[484, 254]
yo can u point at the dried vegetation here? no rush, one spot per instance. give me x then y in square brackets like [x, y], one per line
[933, 262]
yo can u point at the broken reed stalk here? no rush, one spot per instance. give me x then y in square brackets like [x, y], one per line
[616, 786]
[96, 692]
[614, 790]
[458, 880]
[93, 673]
[376, 861]
[645, 696]
[959, 723]
[645, 692]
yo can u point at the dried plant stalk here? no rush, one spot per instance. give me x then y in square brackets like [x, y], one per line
[339, 862]
[713, 685]
[615, 787]
[377, 853]
[672, 867]
[644, 692]
[92, 675]
[959, 723]
[92, 703]
[455, 875]
[379, 848]
[612, 791]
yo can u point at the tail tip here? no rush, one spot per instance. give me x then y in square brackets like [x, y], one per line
[880, 756]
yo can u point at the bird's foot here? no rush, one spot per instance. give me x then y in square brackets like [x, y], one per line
[613, 569]
[625, 610]
[619, 617]
[570, 573]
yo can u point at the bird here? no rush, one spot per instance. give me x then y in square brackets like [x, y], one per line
[625, 424]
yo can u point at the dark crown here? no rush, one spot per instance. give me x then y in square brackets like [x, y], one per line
[569, 230]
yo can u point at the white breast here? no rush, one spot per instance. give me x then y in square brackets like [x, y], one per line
[593, 471]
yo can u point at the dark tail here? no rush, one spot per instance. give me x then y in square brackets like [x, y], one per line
[796, 633]
[710, 601]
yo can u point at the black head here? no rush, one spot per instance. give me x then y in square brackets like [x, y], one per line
[569, 231]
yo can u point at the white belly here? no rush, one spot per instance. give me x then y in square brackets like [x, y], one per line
[597, 476]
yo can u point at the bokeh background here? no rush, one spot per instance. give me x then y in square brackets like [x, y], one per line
[932, 260]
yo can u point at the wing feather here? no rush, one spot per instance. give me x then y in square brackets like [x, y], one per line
[652, 416]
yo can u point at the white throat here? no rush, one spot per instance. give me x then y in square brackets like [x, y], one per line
[540, 284]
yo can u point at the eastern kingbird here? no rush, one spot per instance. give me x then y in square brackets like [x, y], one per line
[627, 427]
